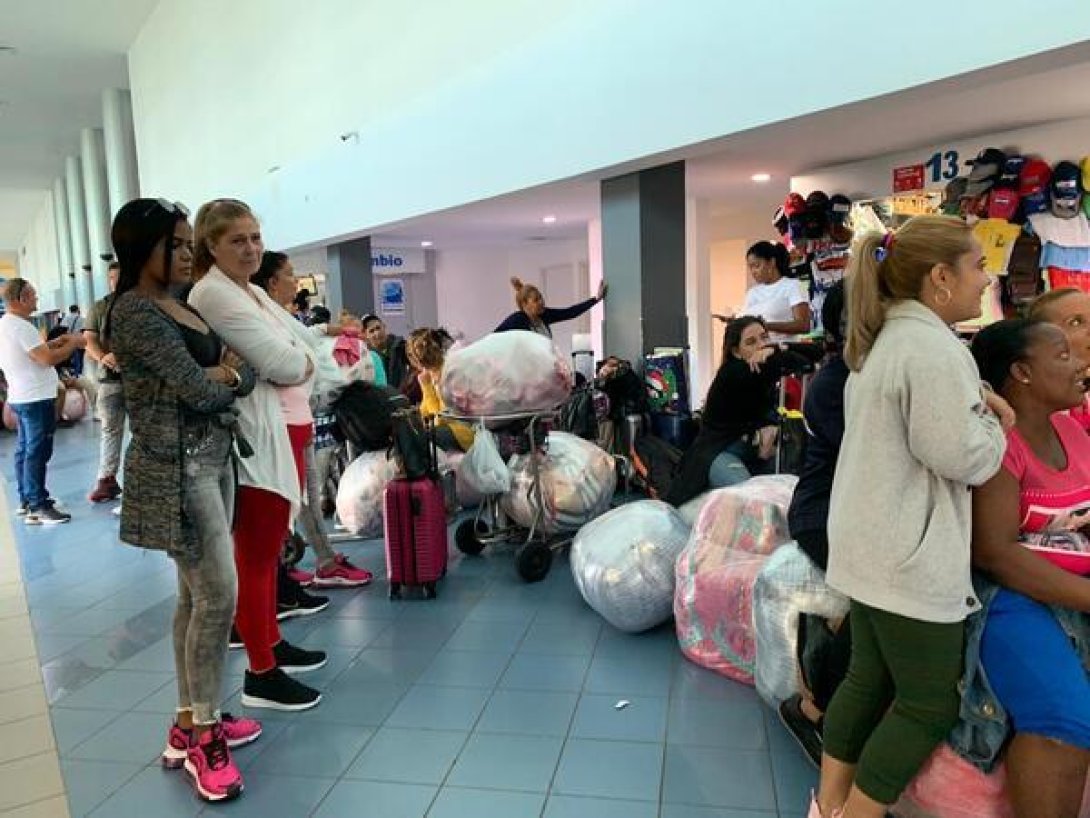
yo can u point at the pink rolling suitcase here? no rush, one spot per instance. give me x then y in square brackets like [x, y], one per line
[415, 522]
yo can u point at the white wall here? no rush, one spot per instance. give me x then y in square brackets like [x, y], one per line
[38, 262]
[874, 177]
[474, 290]
[455, 102]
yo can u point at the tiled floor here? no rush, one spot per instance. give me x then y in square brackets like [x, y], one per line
[497, 699]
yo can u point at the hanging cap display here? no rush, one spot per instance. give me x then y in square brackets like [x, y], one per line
[794, 205]
[1066, 190]
[952, 194]
[1085, 165]
[840, 209]
[987, 168]
[779, 221]
[1034, 177]
[1012, 172]
[1003, 203]
[815, 221]
[1035, 203]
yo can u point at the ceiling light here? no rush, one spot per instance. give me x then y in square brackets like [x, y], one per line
[426, 244]
[548, 220]
[761, 177]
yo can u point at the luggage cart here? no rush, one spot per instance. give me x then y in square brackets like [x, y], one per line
[490, 526]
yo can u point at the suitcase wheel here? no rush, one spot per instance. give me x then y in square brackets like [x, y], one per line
[467, 537]
[395, 590]
[429, 590]
[533, 561]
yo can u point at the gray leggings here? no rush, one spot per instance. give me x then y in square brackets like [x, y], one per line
[310, 513]
[207, 587]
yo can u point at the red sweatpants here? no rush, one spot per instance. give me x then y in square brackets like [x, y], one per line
[261, 519]
[300, 438]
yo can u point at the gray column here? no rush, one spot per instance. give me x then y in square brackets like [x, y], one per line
[64, 244]
[643, 259]
[77, 226]
[93, 159]
[349, 282]
[122, 176]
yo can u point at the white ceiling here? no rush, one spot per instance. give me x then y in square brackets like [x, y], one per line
[1045, 88]
[67, 52]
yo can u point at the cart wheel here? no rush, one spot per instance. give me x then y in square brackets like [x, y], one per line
[395, 590]
[467, 537]
[533, 561]
[429, 590]
[295, 548]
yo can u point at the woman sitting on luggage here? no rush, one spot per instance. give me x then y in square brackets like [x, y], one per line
[534, 316]
[738, 428]
[426, 349]
[1027, 652]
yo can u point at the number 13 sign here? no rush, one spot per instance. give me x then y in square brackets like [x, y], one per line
[941, 167]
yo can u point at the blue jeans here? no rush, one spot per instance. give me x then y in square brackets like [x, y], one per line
[35, 424]
[735, 464]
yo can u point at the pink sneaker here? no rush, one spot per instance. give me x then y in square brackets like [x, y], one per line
[341, 574]
[211, 769]
[304, 578]
[238, 732]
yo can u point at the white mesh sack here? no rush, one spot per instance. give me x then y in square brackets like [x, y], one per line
[505, 372]
[359, 493]
[577, 483]
[788, 586]
[623, 563]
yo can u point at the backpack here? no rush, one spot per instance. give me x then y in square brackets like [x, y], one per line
[1023, 281]
[656, 464]
[364, 415]
[578, 415]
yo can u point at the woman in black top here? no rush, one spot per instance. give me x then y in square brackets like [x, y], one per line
[532, 314]
[739, 422]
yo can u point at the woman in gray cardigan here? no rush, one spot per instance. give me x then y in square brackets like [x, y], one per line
[920, 430]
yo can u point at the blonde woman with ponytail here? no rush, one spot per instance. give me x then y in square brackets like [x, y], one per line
[920, 430]
[532, 314]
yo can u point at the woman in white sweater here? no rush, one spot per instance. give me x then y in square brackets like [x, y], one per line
[920, 430]
[228, 251]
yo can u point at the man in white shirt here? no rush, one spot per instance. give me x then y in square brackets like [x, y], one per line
[28, 364]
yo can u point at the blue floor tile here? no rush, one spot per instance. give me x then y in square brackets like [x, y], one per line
[465, 668]
[610, 769]
[320, 749]
[629, 675]
[488, 636]
[529, 671]
[738, 724]
[454, 802]
[794, 778]
[570, 806]
[72, 727]
[273, 794]
[164, 793]
[353, 799]
[528, 712]
[387, 666]
[135, 737]
[563, 639]
[116, 689]
[409, 756]
[89, 783]
[439, 708]
[524, 763]
[716, 777]
[687, 811]
[644, 719]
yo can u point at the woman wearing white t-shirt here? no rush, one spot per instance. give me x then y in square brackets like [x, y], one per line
[782, 302]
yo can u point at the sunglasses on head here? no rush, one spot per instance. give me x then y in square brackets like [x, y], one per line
[173, 208]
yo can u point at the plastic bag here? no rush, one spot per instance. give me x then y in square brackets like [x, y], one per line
[482, 470]
[788, 586]
[751, 516]
[74, 405]
[948, 786]
[691, 510]
[359, 494]
[623, 563]
[503, 373]
[577, 484]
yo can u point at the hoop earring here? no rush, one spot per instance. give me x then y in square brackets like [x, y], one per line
[949, 296]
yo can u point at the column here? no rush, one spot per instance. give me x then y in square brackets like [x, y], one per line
[643, 252]
[77, 226]
[64, 244]
[122, 176]
[93, 160]
[349, 282]
[595, 274]
[698, 294]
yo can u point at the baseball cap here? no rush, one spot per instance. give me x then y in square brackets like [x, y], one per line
[779, 221]
[1035, 203]
[951, 196]
[794, 205]
[1085, 165]
[1012, 171]
[987, 167]
[840, 208]
[815, 221]
[1003, 203]
[1034, 177]
[1066, 190]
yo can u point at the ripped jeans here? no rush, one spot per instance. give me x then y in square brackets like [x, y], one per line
[207, 587]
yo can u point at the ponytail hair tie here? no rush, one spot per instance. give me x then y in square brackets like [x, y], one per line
[882, 251]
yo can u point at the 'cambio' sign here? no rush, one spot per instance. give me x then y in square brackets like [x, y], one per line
[390, 262]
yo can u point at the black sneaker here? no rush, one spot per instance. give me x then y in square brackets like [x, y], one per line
[23, 510]
[47, 515]
[806, 732]
[234, 642]
[300, 604]
[291, 659]
[276, 690]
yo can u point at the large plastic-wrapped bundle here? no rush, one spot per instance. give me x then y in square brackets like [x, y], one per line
[948, 786]
[713, 603]
[505, 372]
[577, 483]
[359, 493]
[691, 510]
[751, 516]
[623, 563]
[789, 585]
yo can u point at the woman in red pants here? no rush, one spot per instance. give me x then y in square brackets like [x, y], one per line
[228, 251]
